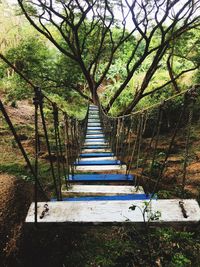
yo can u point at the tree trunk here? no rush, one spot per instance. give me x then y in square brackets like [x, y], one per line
[95, 97]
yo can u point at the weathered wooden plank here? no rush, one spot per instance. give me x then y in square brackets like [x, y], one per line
[95, 136]
[94, 132]
[165, 211]
[88, 139]
[94, 128]
[93, 150]
[99, 190]
[95, 142]
[96, 159]
[94, 124]
[100, 168]
[104, 146]
[94, 120]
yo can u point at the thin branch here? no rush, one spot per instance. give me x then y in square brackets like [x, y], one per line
[170, 81]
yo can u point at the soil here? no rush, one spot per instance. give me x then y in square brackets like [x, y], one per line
[16, 196]
[23, 113]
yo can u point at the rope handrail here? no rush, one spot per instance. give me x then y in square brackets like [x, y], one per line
[32, 84]
[139, 136]
[151, 106]
[72, 138]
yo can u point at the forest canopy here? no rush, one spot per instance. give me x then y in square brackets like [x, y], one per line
[121, 53]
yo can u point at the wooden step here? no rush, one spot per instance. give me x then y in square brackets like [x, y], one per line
[99, 168]
[93, 117]
[107, 198]
[103, 146]
[105, 154]
[99, 190]
[94, 124]
[101, 177]
[97, 162]
[92, 110]
[95, 142]
[89, 128]
[87, 139]
[96, 159]
[93, 150]
[94, 133]
[93, 136]
[160, 212]
[94, 121]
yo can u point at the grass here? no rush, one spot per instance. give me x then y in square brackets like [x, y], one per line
[127, 246]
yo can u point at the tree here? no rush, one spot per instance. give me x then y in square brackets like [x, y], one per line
[80, 22]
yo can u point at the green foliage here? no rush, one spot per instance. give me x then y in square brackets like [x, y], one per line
[31, 57]
[179, 260]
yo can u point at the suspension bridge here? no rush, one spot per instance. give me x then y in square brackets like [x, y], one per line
[93, 174]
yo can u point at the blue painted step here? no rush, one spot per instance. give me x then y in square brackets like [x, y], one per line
[98, 154]
[94, 128]
[95, 146]
[93, 141]
[98, 162]
[101, 177]
[113, 198]
[94, 124]
[95, 137]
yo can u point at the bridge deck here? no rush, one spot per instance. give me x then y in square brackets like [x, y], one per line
[107, 204]
[116, 212]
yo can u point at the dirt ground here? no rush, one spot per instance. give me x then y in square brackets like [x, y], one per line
[31, 247]
[16, 196]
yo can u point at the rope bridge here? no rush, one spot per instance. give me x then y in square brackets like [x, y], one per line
[97, 164]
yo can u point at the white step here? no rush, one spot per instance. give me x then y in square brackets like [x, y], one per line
[97, 158]
[91, 150]
[100, 212]
[95, 143]
[99, 168]
[95, 140]
[107, 190]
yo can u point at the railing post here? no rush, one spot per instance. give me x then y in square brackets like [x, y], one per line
[36, 101]
[56, 125]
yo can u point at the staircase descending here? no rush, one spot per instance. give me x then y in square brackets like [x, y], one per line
[100, 192]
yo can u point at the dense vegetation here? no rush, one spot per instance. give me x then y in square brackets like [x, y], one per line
[52, 65]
